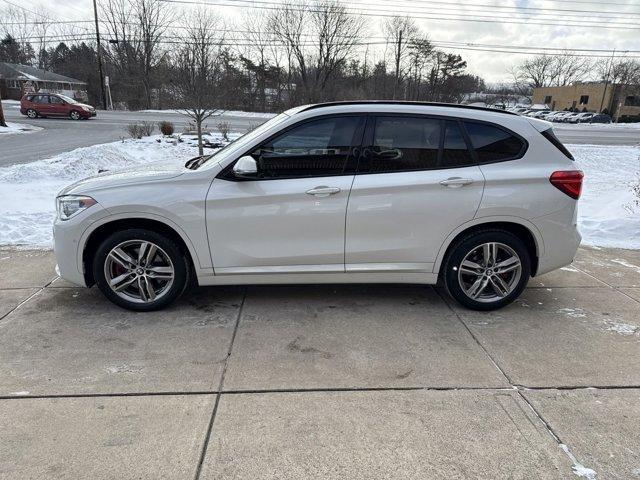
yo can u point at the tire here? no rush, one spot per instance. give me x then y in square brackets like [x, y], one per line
[75, 115]
[31, 113]
[485, 285]
[144, 284]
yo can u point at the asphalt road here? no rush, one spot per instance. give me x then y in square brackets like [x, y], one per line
[62, 135]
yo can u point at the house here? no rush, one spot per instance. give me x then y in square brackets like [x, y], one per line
[16, 80]
[617, 100]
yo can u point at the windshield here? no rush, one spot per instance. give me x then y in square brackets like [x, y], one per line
[67, 99]
[240, 142]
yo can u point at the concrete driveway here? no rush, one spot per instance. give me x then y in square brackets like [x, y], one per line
[349, 382]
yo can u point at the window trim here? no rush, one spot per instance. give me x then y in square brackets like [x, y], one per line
[521, 153]
[227, 172]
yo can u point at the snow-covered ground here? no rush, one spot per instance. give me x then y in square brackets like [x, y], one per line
[608, 215]
[16, 128]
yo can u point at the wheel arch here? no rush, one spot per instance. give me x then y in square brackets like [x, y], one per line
[102, 231]
[520, 227]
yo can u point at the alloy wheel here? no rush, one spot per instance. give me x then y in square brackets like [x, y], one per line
[489, 272]
[31, 113]
[139, 271]
[75, 115]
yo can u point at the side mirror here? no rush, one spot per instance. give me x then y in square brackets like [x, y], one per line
[245, 167]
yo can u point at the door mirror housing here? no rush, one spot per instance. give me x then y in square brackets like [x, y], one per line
[245, 167]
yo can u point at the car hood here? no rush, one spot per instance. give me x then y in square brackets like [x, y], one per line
[84, 105]
[148, 172]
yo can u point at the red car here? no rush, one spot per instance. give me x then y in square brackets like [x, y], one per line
[54, 105]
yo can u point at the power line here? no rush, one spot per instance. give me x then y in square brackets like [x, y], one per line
[384, 13]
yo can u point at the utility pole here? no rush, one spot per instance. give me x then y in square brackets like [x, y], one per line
[104, 97]
[398, 53]
[606, 80]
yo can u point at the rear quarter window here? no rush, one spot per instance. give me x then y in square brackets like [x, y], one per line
[494, 144]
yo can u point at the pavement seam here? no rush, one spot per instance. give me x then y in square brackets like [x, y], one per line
[321, 390]
[37, 292]
[519, 391]
[613, 287]
[203, 452]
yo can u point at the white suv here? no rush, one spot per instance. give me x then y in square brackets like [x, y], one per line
[345, 192]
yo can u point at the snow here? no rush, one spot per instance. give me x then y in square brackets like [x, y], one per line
[16, 128]
[579, 469]
[607, 216]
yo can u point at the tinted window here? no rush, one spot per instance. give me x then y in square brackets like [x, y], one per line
[455, 152]
[403, 144]
[55, 100]
[314, 149]
[492, 143]
[41, 99]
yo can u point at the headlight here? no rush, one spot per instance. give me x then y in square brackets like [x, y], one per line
[86, 109]
[70, 205]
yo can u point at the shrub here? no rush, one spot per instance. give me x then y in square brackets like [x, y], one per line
[133, 129]
[147, 128]
[223, 128]
[166, 128]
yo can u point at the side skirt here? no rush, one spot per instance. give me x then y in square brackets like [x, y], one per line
[311, 278]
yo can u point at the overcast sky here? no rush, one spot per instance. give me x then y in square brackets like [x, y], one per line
[490, 65]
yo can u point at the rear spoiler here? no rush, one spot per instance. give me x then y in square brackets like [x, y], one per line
[540, 125]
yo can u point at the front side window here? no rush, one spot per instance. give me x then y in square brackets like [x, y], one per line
[317, 148]
[493, 144]
[55, 100]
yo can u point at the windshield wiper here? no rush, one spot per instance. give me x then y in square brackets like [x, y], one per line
[196, 162]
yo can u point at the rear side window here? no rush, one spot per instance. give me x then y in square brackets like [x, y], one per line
[549, 135]
[493, 144]
[455, 152]
[402, 144]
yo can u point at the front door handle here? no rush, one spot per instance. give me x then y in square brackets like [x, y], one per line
[323, 191]
[456, 182]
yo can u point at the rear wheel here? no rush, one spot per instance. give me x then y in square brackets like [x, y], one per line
[140, 270]
[74, 115]
[31, 113]
[487, 270]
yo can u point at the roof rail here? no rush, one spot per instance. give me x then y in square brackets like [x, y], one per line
[404, 102]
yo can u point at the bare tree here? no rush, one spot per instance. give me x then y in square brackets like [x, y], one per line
[550, 70]
[401, 33]
[197, 63]
[137, 26]
[333, 35]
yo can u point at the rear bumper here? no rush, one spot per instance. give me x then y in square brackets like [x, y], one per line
[561, 239]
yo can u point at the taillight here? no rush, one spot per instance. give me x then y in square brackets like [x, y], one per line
[568, 182]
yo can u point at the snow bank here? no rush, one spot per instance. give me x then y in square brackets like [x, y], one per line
[608, 215]
[28, 190]
[15, 128]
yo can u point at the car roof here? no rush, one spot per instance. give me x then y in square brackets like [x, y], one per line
[376, 103]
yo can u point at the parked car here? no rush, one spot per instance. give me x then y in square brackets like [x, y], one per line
[343, 192]
[537, 113]
[599, 118]
[560, 116]
[547, 116]
[571, 118]
[35, 105]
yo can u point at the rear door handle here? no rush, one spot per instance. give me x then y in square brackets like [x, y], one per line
[456, 182]
[323, 191]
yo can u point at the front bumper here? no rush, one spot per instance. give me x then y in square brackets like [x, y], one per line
[69, 237]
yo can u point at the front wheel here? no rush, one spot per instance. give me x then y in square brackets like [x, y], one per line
[140, 269]
[74, 115]
[487, 270]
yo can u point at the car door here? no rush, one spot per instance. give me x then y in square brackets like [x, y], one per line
[290, 217]
[417, 181]
[57, 106]
[42, 105]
